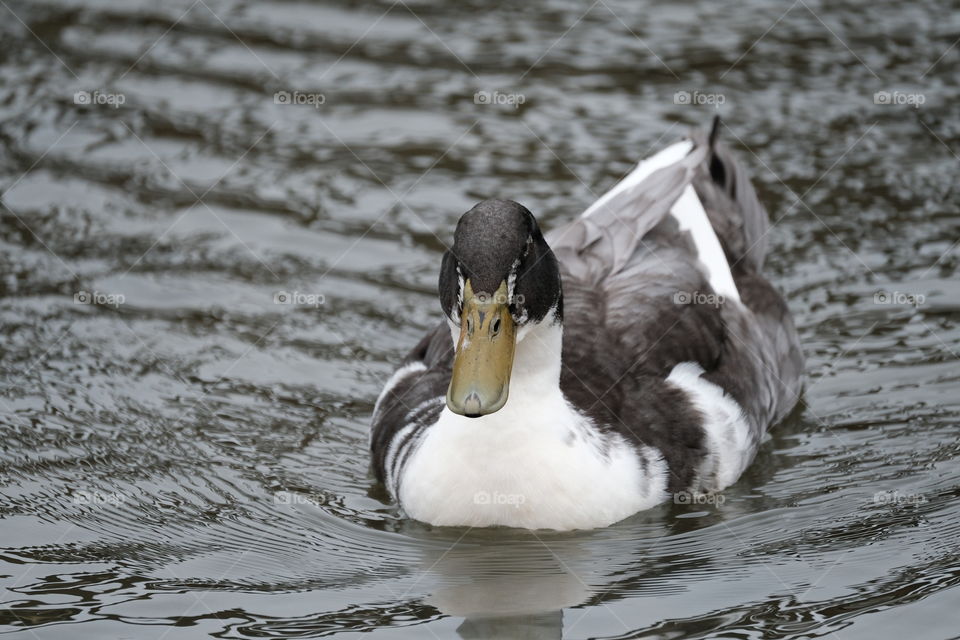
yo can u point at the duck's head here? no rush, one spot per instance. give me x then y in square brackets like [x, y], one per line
[499, 279]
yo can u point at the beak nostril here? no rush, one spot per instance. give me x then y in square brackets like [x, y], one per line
[483, 354]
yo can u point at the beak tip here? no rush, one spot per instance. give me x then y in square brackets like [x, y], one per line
[471, 406]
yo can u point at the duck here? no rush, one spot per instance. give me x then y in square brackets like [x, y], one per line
[634, 355]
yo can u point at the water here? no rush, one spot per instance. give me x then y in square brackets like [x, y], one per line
[185, 458]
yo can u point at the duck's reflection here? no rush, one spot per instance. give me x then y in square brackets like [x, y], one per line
[516, 584]
[528, 627]
[512, 588]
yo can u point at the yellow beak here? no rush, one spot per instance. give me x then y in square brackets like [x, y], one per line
[484, 358]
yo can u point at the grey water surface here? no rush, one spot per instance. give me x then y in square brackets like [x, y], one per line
[220, 231]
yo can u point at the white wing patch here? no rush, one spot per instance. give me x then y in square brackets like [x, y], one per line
[731, 445]
[672, 154]
[689, 213]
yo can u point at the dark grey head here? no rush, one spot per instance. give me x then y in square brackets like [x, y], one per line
[499, 276]
[499, 241]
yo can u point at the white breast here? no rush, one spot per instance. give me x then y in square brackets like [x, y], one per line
[543, 469]
[537, 463]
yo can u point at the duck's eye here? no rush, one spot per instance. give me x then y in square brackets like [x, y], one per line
[495, 327]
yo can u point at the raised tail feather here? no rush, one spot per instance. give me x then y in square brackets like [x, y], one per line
[731, 202]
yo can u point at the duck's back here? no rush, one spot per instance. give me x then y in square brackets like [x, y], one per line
[672, 335]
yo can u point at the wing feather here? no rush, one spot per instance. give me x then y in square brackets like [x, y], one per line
[602, 242]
